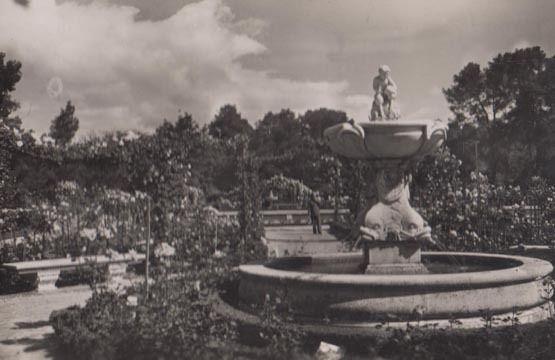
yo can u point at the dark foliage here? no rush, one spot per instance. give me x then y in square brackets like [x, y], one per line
[65, 125]
[504, 117]
[228, 123]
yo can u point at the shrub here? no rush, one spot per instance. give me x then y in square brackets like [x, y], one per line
[87, 274]
[12, 282]
[475, 215]
[98, 330]
[178, 318]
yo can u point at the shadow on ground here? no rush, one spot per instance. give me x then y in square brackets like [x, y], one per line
[43, 346]
[30, 325]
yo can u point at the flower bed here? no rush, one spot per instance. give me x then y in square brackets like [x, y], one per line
[179, 317]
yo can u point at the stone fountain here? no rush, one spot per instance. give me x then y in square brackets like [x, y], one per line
[390, 230]
[392, 279]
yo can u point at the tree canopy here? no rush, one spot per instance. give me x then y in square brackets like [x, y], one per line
[503, 120]
[10, 135]
[316, 121]
[65, 125]
[228, 123]
[10, 74]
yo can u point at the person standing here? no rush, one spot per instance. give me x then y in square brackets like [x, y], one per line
[314, 214]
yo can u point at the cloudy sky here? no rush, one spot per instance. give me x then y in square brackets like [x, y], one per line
[128, 64]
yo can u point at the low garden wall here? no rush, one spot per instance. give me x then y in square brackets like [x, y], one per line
[293, 217]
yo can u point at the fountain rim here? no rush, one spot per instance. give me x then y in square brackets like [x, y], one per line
[396, 123]
[365, 140]
[529, 269]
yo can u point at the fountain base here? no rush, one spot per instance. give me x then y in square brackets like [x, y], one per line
[391, 252]
[348, 330]
[392, 258]
[455, 285]
[395, 269]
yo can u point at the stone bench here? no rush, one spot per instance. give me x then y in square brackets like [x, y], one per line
[48, 271]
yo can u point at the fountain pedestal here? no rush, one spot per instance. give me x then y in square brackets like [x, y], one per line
[390, 231]
[393, 258]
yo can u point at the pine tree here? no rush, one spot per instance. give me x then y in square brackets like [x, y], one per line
[65, 125]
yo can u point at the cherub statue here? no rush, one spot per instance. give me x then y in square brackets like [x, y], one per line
[383, 106]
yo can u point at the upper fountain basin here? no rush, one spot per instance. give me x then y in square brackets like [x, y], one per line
[383, 140]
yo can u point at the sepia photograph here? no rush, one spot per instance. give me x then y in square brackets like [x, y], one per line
[277, 179]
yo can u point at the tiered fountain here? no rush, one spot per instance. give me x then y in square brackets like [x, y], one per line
[391, 279]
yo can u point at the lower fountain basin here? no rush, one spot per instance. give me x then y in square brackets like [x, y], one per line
[454, 285]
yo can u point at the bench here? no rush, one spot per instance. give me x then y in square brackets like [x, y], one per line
[48, 271]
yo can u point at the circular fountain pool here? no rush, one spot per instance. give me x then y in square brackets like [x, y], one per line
[450, 286]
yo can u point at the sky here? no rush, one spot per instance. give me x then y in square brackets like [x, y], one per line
[129, 64]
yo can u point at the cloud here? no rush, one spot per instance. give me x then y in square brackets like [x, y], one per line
[121, 73]
[147, 9]
[23, 3]
[251, 26]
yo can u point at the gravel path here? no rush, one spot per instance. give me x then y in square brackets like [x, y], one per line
[24, 329]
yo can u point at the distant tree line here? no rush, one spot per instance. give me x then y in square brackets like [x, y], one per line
[503, 125]
[504, 116]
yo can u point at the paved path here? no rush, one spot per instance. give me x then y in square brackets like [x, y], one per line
[24, 329]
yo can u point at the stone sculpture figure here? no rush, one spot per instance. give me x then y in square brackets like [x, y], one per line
[391, 218]
[389, 231]
[385, 92]
[393, 148]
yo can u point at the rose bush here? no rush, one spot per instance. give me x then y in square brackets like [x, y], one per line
[475, 215]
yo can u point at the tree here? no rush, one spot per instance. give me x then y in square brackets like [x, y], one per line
[484, 96]
[16, 144]
[277, 134]
[502, 122]
[160, 165]
[546, 157]
[10, 74]
[228, 123]
[276, 139]
[316, 121]
[64, 126]
[165, 157]
[216, 169]
[8, 189]
[251, 228]
[293, 146]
